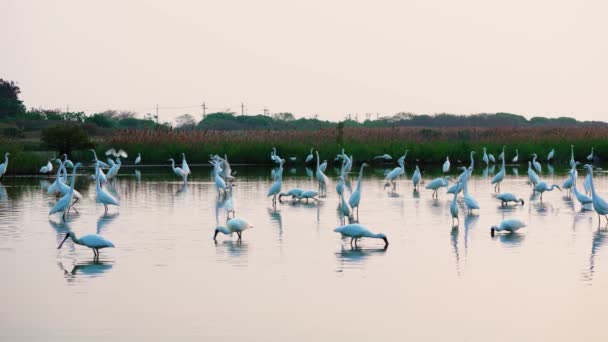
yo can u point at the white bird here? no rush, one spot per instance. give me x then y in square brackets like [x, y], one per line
[102, 196]
[437, 183]
[569, 182]
[587, 184]
[356, 231]
[309, 157]
[67, 162]
[275, 188]
[54, 187]
[599, 205]
[138, 159]
[507, 197]
[510, 225]
[65, 202]
[292, 159]
[220, 183]
[416, 177]
[345, 209]
[384, 156]
[446, 165]
[485, 157]
[392, 176]
[402, 158]
[454, 210]
[309, 194]
[590, 156]
[292, 192]
[582, 198]
[274, 157]
[340, 185]
[355, 197]
[185, 166]
[469, 200]
[572, 162]
[542, 187]
[491, 157]
[457, 187]
[323, 166]
[234, 225]
[4, 165]
[516, 158]
[536, 164]
[500, 176]
[101, 164]
[321, 178]
[534, 179]
[501, 156]
[179, 171]
[93, 241]
[472, 166]
[47, 168]
[551, 154]
[113, 171]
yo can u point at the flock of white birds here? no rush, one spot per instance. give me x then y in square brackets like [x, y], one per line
[224, 179]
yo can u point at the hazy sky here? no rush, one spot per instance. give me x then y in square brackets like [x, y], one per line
[544, 57]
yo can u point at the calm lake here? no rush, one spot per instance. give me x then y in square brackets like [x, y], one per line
[292, 278]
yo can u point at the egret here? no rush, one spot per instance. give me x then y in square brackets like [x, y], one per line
[185, 166]
[472, 166]
[275, 188]
[392, 176]
[551, 154]
[534, 179]
[446, 165]
[64, 204]
[309, 194]
[541, 187]
[500, 176]
[457, 187]
[323, 166]
[516, 158]
[485, 157]
[67, 162]
[54, 188]
[356, 231]
[309, 157]
[340, 185]
[178, 171]
[599, 205]
[355, 197]
[510, 225]
[93, 241]
[47, 168]
[491, 157]
[438, 183]
[220, 183]
[501, 156]
[234, 225]
[4, 165]
[570, 180]
[416, 177]
[113, 171]
[507, 197]
[454, 210]
[587, 184]
[292, 192]
[101, 164]
[536, 164]
[590, 156]
[469, 200]
[345, 209]
[274, 157]
[292, 159]
[321, 177]
[582, 198]
[572, 162]
[402, 158]
[138, 159]
[384, 157]
[103, 196]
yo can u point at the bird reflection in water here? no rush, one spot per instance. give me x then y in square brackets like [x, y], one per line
[309, 173]
[232, 252]
[454, 240]
[3, 193]
[89, 269]
[515, 171]
[550, 169]
[182, 190]
[599, 240]
[137, 174]
[356, 257]
[510, 239]
[469, 223]
[104, 220]
[275, 217]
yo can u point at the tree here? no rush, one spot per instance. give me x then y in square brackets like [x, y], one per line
[10, 105]
[185, 121]
[66, 138]
[285, 116]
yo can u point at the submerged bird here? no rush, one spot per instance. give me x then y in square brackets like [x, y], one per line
[542, 187]
[356, 231]
[234, 225]
[93, 241]
[4, 165]
[510, 225]
[446, 165]
[507, 197]
[599, 205]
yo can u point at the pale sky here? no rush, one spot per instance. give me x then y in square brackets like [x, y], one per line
[544, 57]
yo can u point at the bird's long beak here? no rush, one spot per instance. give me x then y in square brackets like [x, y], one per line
[215, 235]
[65, 238]
[385, 242]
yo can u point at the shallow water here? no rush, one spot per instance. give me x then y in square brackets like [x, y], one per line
[292, 278]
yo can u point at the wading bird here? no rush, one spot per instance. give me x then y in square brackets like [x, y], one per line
[234, 225]
[292, 192]
[275, 188]
[542, 187]
[469, 200]
[532, 176]
[391, 177]
[599, 205]
[345, 210]
[437, 184]
[385, 157]
[4, 165]
[103, 196]
[590, 156]
[65, 203]
[185, 166]
[355, 197]
[416, 177]
[309, 194]
[309, 157]
[516, 158]
[569, 182]
[500, 176]
[507, 197]
[47, 168]
[536, 164]
[454, 210]
[572, 162]
[356, 231]
[321, 177]
[510, 226]
[551, 154]
[485, 157]
[93, 241]
[583, 199]
[179, 171]
[138, 159]
[446, 165]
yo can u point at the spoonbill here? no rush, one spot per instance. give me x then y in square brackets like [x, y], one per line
[534, 179]
[516, 158]
[93, 241]
[392, 176]
[498, 178]
[356, 231]
[309, 157]
[510, 225]
[4, 165]
[234, 225]
[485, 157]
[138, 159]
[384, 157]
[572, 162]
[416, 177]
[438, 183]
[65, 202]
[599, 205]
[507, 197]
[454, 210]
[321, 177]
[179, 171]
[185, 166]
[103, 196]
[541, 187]
[583, 199]
[590, 156]
[551, 154]
[292, 192]
[309, 194]
[536, 164]
[355, 197]
[47, 168]
[446, 165]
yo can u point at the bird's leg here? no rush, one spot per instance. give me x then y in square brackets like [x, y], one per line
[106, 208]
[239, 234]
[351, 241]
[73, 207]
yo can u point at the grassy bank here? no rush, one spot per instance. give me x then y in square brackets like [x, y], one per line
[427, 145]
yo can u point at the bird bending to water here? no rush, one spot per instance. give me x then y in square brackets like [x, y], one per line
[234, 225]
[93, 241]
[541, 187]
[356, 231]
[507, 197]
[438, 183]
[510, 226]
[293, 193]
[308, 194]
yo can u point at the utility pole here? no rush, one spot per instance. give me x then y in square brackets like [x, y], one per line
[67, 109]
[266, 111]
[368, 116]
[377, 116]
[357, 117]
[156, 114]
[242, 109]
[204, 106]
